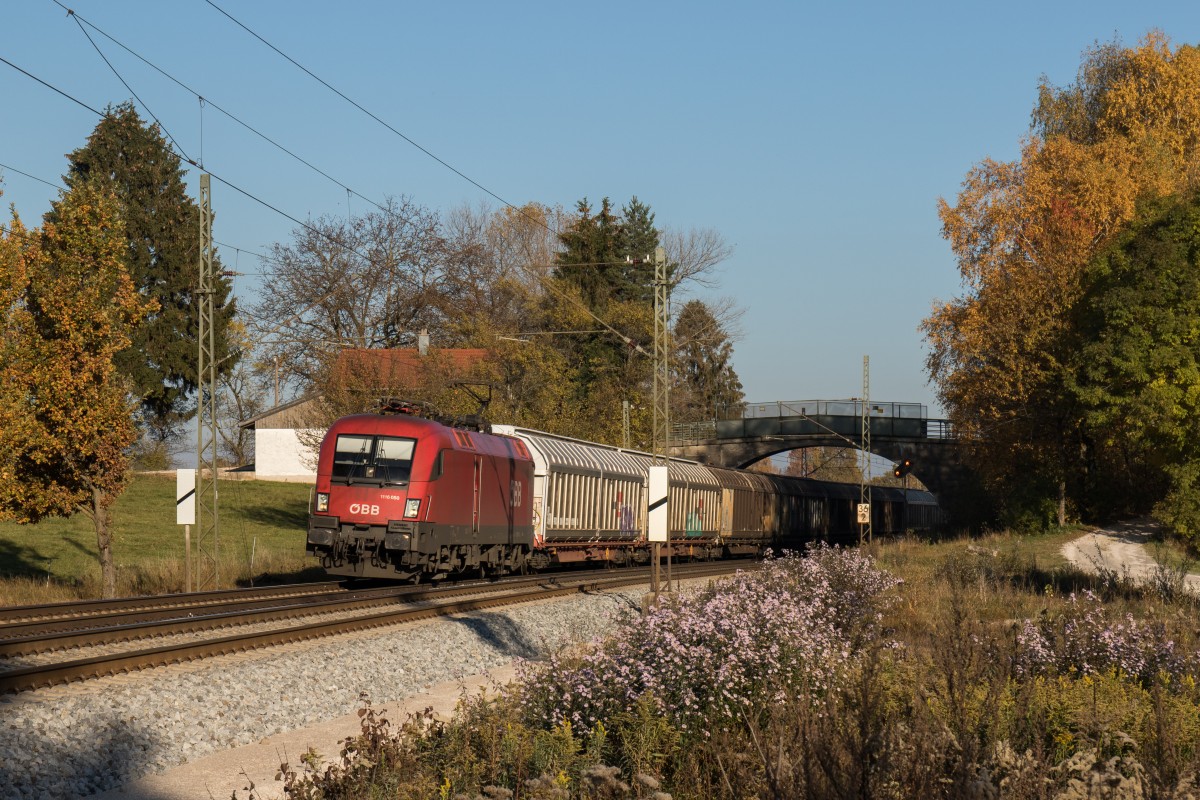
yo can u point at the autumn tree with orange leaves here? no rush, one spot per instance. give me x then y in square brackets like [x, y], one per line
[1003, 354]
[66, 417]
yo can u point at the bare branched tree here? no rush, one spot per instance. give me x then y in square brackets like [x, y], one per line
[372, 281]
[696, 253]
[499, 260]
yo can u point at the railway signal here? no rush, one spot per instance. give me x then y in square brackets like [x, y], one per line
[902, 467]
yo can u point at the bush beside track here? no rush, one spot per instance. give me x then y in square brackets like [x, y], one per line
[990, 670]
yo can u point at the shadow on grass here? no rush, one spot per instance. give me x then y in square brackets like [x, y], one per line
[90, 552]
[22, 561]
[279, 517]
[313, 574]
[1061, 580]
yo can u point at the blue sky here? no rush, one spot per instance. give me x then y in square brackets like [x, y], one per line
[816, 139]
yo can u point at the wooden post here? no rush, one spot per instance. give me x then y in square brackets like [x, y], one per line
[187, 558]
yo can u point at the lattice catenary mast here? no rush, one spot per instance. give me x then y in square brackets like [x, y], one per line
[864, 454]
[661, 434]
[207, 562]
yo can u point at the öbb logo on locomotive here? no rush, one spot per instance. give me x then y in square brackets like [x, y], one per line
[404, 497]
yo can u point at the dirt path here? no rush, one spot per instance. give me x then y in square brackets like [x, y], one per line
[1122, 548]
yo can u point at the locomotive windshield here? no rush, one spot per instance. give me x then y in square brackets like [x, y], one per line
[373, 459]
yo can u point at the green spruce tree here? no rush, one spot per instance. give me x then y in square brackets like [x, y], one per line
[591, 258]
[162, 229]
[593, 264]
[638, 241]
[706, 385]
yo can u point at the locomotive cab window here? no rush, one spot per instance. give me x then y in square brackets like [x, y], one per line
[375, 459]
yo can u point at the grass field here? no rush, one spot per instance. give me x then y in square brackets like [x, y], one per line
[261, 537]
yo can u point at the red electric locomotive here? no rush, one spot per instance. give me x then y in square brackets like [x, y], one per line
[400, 496]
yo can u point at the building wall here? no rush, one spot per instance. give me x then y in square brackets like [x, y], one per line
[279, 455]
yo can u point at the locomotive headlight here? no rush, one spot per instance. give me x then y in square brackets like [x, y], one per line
[322, 501]
[411, 508]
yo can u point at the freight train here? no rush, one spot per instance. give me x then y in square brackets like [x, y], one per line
[402, 496]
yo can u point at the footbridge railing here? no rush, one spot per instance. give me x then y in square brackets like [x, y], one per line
[817, 418]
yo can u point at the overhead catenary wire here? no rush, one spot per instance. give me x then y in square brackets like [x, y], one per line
[337, 281]
[125, 83]
[538, 277]
[51, 87]
[270, 258]
[340, 94]
[207, 101]
[31, 177]
[233, 247]
[541, 279]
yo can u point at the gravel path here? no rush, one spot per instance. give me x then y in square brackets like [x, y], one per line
[1123, 548]
[80, 740]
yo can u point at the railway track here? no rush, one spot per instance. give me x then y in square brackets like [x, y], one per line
[83, 609]
[281, 619]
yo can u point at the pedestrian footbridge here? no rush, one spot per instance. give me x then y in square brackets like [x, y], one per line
[897, 430]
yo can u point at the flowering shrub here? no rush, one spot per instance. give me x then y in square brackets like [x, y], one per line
[704, 658]
[1084, 639]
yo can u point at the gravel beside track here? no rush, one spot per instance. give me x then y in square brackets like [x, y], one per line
[82, 739]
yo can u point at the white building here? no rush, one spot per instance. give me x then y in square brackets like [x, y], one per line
[279, 452]
[282, 445]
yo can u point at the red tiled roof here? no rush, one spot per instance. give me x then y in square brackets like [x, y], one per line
[401, 365]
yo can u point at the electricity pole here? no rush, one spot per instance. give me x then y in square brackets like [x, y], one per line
[661, 437]
[207, 564]
[864, 461]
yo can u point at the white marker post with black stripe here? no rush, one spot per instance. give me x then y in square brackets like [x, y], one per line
[657, 516]
[185, 515]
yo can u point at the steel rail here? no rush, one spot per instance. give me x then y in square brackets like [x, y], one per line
[36, 677]
[48, 675]
[81, 625]
[32, 638]
[84, 608]
[39, 636]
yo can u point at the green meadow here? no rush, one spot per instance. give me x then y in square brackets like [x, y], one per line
[260, 538]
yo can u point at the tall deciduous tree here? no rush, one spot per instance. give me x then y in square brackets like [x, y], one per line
[161, 254]
[68, 421]
[1138, 371]
[1023, 233]
[244, 392]
[497, 264]
[373, 281]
